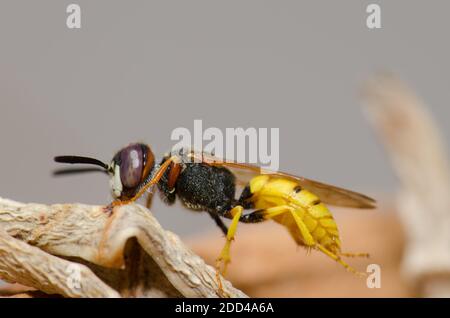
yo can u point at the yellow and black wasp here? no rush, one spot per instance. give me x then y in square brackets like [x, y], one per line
[205, 183]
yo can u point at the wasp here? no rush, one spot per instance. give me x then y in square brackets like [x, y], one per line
[206, 183]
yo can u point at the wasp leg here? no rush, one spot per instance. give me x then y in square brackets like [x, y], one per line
[158, 175]
[219, 222]
[309, 240]
[148, 202]
[224, 258]
[262, 215]
[270, 213]
[306, 234]
[354, 254]
[304, 230]
[339, 260]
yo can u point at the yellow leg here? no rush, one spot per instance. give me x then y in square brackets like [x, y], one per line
[307, 237]
[339, 260]
[309, 240]
[277, 210]
[354, 254]
[274, 211]
[224, 258]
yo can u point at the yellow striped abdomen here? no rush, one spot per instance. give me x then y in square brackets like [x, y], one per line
[269, 192]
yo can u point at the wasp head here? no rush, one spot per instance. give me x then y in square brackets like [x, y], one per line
[129, 169]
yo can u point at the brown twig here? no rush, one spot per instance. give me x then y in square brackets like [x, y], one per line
[128, 254]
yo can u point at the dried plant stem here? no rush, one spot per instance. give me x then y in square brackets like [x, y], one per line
[124, 254]
[418, 155]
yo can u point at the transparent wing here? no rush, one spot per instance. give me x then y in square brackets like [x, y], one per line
[327, 193]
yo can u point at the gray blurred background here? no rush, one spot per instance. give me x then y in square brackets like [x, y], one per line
[138, 69]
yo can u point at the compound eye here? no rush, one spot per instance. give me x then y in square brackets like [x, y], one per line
[131, 166]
